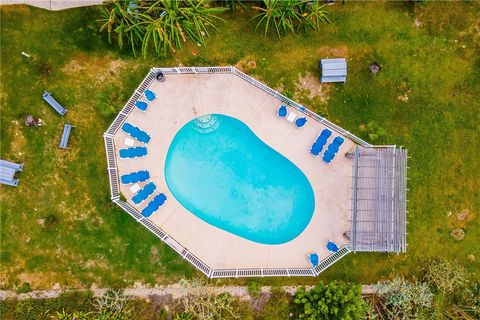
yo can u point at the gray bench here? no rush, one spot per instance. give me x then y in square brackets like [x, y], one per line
[333, 70]
[65, 135]
[7, 172]
[52, 102]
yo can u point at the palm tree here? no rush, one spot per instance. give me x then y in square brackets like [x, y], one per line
[283, 14]
[121, 17]
[168, 23]
[161, 24]
[313, 14]
[290, 15]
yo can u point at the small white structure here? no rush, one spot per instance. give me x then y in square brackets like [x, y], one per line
[333, 70]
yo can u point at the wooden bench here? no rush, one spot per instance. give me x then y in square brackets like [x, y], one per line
[66, 135]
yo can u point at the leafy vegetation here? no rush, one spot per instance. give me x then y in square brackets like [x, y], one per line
[120, 20]
[233, 4]
[162, 25]
[336, 300]
[446, 292]
[254, 288]
[287, 16]
[400, 299]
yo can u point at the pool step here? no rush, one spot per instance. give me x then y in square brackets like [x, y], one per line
[206, 124]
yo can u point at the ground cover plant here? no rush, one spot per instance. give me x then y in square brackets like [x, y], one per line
[59, 228]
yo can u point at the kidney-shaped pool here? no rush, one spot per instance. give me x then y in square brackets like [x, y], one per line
[221, 172]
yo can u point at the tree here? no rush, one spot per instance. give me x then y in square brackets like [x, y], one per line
[162, 24]
[168, 23]
[337, 300]
[121, 18]
[290, 16]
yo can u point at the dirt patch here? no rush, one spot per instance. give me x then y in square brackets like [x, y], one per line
[458, 234]
[37, 280]
[461, 219]
[246, 64]
[97, 263]
[73, 66]
[310, 86]
[18, 139]
[418, 23]
[154, 258]
[96, 69]
[332, 52]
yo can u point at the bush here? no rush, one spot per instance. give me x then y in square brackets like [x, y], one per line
[51, 221]
[109, 102]
[337, 300]
[278, 306]
[201, 304]
[444, 276]
[404, 300]
[24, 288]
[254, 289]
[374, 131]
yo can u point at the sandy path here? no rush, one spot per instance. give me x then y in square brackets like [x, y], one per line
[175, 291]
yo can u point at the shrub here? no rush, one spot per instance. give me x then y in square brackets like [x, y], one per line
[278, 306]
[113, 305]
[404, 300]
[444, 276]
[24, 288]
[337, 300]
[51, 221]
[254, 289]
[109, 102]
[374, 131]
[202, 304]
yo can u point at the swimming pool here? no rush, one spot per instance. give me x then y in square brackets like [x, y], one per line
[221, 172]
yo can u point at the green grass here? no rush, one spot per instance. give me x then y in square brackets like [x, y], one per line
[436, 65]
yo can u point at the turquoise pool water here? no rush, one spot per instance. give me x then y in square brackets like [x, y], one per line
[220, 171]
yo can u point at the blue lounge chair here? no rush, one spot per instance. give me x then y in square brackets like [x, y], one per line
[313, 257]
[144, 193]
[133, 152]
[332, 247]
[141, 105]
[282, 111]
[153, 205]
[149, 95]
[320, 142]
[332, 149]
[300, 122]
[133, 177]
[53, 103]
[136, 133]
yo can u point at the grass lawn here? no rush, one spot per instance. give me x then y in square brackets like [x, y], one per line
[59, 226]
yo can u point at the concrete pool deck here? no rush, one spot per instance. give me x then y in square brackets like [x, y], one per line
[180, 98]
